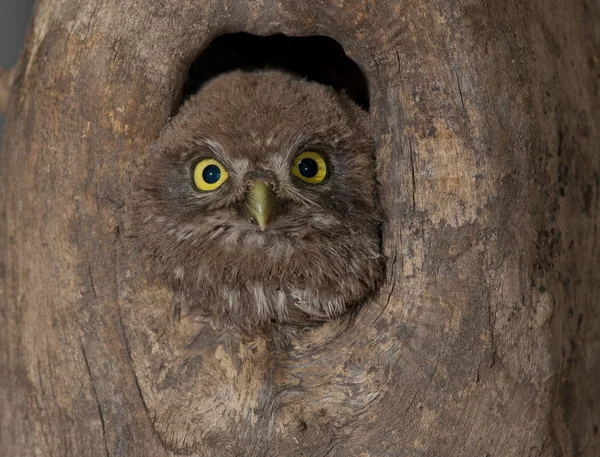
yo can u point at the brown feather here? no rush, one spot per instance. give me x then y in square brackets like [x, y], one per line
[319, 256]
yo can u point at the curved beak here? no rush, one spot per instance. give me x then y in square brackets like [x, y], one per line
[260, 203]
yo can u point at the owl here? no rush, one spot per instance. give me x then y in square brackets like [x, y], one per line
[259, 201]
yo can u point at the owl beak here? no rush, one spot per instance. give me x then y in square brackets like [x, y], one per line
[260, 202]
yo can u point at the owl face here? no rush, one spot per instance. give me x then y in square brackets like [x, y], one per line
[260, 200]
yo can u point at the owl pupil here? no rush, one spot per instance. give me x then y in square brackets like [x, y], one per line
[308, 168]
[211, 174]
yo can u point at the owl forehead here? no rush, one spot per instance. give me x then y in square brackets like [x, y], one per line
[264, 120]
[254, 150]
[260, 138]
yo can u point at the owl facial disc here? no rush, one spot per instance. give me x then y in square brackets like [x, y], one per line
[260, 203]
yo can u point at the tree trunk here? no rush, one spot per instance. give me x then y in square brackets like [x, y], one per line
[483, 342]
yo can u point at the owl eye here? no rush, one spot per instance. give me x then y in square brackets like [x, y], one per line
[310, 167]
[209, 175]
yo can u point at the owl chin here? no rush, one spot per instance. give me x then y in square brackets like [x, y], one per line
[273, 278]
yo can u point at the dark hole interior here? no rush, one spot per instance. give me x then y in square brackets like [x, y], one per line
[316, 58]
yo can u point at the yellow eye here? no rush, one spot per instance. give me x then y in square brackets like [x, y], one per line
[209, 175]
[310, 167]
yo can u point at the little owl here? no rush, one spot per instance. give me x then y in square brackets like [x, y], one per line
[259, 200]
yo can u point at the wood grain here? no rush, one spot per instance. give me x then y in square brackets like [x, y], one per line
[484, 340]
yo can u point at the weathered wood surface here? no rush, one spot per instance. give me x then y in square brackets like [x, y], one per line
[6, 79]
[485, 340]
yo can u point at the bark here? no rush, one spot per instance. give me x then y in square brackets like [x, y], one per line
[483, 342]
[6, 80]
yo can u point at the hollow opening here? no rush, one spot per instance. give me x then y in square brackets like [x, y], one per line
[316, 58]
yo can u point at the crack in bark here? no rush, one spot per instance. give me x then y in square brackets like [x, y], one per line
[92, 281]
[70, 32]
[397, 57]
[462, 100]
[89, 372]
[410, 403]
[116, 49]
[492, 322]
[92, 16]
[412, 172]
[393, 287]
[331, 445]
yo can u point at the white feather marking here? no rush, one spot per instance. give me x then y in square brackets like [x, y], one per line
[179, 273]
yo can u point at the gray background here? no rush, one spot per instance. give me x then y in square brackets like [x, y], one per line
[14, 17]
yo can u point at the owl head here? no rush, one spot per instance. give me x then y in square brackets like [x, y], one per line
[259, 199]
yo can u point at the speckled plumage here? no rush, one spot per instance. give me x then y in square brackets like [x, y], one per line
[320, 254]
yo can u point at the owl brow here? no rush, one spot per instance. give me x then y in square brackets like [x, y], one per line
[237, 165]
[298, 143]
[306, 141]
[213, 145]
